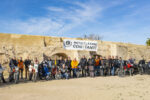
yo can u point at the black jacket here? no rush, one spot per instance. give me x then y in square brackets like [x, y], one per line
[83, 62]
[27, 62]
[142, 62]
[91, 62]
[60, 62]
[13, 63]
[116, 63]
[68, 64]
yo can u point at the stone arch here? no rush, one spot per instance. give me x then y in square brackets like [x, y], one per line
[94, 54]
[57, 55]
[63, 53]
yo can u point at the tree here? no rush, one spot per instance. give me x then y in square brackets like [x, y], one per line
[148, 42]
[93, 37]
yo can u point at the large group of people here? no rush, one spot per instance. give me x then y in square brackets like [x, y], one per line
[65, 68]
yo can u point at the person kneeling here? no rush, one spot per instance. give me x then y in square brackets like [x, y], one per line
[64, 72]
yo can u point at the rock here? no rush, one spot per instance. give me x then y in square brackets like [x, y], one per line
[38, 46]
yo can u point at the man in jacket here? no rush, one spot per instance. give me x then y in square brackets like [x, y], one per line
[142, 65]
[68, 65]
[50, 64]
[97, 66]
[27, 62]
[21, 67]
[112, 66]
[83, 64]
[74, 65]
[116, 64]
[109, 65]
[101, 66]
[91, 63]
[13, 63]
[60, 62]
[104, 64]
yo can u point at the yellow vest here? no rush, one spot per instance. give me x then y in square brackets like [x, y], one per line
[74, 64]
[55, 62]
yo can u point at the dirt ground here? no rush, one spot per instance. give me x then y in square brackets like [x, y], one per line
[99, 88]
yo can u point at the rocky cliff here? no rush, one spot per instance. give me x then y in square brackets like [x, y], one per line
[38, 46]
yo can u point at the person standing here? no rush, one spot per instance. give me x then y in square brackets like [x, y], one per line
[74, 65]
[104, 64]
[109, 65]
[60, 62]
[121, 67]
[116, 64]
[13, 63]
[50, 64]
[142, 65]
[27, 62]
[30, 67]
[112, 66]
[101, 66]
[55, 64]
[21, 67]
[35, 67]
[97, 67]
[83, 64]
[68, 64]
[91, 63]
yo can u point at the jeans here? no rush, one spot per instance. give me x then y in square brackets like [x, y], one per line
[65, 75]
[30, 75]
[109, 71]
[83, 71]
[26, 72]
[112, 71]
[97, 70]
[101, 71]
[69, 72]
[131, 70]
[74, 72]
[91, 70]
[21, 71]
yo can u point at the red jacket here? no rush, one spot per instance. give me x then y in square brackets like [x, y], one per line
[129, 65]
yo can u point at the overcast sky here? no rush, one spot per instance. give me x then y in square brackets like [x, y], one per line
[115, 20]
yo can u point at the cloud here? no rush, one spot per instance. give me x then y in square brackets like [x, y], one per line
[55, 9]
[40, 26]
[114, 19]
[57, 21]
[83, 13]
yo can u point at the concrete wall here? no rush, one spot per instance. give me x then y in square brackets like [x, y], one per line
[37, 46]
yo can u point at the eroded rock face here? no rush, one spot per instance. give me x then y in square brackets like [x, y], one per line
[38, 46]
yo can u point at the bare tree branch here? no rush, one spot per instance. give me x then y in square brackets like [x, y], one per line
[93, 37]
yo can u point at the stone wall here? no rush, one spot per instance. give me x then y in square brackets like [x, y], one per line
[38, 46]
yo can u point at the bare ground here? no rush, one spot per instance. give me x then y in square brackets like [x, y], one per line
[99, 88]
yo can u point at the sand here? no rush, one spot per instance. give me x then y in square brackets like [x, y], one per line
[99, 88]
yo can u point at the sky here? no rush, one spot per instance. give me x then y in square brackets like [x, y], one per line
[115, 20]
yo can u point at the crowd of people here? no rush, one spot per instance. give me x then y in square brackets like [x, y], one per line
[65, 68]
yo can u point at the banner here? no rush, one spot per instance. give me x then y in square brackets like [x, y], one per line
[80, 45]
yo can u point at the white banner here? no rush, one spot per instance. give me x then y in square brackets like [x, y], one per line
[80, 45]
